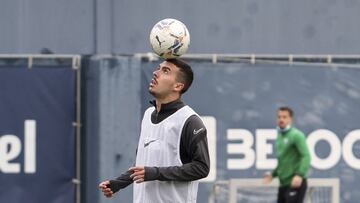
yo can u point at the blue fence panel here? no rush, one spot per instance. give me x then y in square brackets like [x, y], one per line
[37, 136]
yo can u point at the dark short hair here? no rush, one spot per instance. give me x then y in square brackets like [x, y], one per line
[288, 109]
[186, 75]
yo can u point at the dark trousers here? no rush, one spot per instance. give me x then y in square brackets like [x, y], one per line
[287, 194]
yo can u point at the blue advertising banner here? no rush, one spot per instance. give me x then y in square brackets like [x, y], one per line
[37, 136]
[239, 103]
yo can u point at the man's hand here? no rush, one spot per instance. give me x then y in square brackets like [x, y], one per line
[296, 181]
[105, 189]
[267, 178]
[138, 174]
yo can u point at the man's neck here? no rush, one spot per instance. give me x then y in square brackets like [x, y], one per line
[160, 101]
[285, 129]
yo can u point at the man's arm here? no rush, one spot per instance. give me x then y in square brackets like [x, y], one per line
[118, 183]
[274, 173]
[121, 182]
[109, 187]
[195, 156]
[301, 146]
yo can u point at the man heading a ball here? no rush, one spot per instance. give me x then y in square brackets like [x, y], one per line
[172, 152]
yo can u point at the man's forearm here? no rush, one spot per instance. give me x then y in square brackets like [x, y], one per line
[187, 172]
[121, 182]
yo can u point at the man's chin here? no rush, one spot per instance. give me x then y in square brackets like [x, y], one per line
[151, 91]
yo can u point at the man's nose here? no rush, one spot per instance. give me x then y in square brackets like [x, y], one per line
[155, 73]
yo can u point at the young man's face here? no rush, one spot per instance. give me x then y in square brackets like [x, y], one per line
[164, 81]
[283, 119]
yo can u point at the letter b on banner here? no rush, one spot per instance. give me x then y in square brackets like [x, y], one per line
[244, 148]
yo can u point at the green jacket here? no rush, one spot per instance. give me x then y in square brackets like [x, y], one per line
[293, 156]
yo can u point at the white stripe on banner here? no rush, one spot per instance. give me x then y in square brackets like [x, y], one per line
[30, 146]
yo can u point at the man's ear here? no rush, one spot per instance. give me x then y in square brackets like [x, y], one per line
[179, 86]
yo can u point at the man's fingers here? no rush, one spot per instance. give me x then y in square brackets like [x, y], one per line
[138, 177]
[104, 184]
[106, 190]
[139, 180]
[137, 173]
[267, 174]
[136, 168]
[295, 184]
[108, 194]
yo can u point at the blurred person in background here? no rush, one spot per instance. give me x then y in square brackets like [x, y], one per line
[293, 159]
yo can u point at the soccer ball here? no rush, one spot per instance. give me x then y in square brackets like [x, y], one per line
[169, 38]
